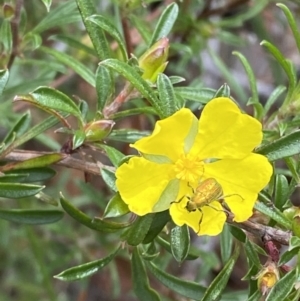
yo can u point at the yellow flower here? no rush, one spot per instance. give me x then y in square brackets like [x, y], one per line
[183, 152]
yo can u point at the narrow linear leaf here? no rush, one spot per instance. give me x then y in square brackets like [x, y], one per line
[17, 191]
[218, 285]
[136, 80]
[140, 279]
[105, 24]
[87, 9]
[95, 224]
[114, 155]
[252, 255]
[115, 207]
[38, 174]
[286, 66]
[51, 98]
[128, 136]
[85, 270]
[32, 217]
[283, 287]
[252, 80]
[72, 63]
[202, 95]
[19, 128]
[273, 98]
[274, 214]
[188, 289]
[158, 223]
[226, 242]
[64, 13]
[4, 75]
[40, 161]
[292, 23]
[286, 146]
[32, 133]
[166, 95]
[281, 191]
[165, 23]
[180, 242]
[137, 232]
[104, 86]
[109, 178]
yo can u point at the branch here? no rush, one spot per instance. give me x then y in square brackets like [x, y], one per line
[69, 162]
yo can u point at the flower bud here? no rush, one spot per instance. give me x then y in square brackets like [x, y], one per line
[267, 277]
[98, 130]
[8, 11]
[293, 214]
[154, 60]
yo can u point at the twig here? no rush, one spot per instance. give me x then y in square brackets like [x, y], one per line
[69, 162]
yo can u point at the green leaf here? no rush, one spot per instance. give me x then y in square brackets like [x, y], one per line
[86, 9]
[63, 14]
[72, 63]
[180, 242]
[226, 242]
[136, 80]
[128, 136]
[6, 36]
[4, 75]
[74, 43]
[158, 223]
[32, 217]
[47, 4]
[238, 233]
[283, 287]
[137, 232]
[104, 86]
[17, 191]
[32, 133]
[218, 285]
[251, 253]
[202, 95]
[283, 147]
[95, 224]
[284, 63]
[140, 279]
[115, 207]
[273, 98]
[78, 138]
[113, 154]
[34, 174]
[274, 214]
[166, 95]
[165, 23]
[252, 80]
[40, 161]
[85, 270]
[292, 23]
[188, 289]
[105, 24]
[288, 255]
[51, 98]
[223, 91]
[281, 191]
[19, 128]
[109, 178]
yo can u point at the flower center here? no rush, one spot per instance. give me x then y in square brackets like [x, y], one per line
[189, 168]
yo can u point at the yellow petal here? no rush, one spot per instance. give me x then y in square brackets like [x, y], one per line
[168, 136]
[226, 132]
[212, 222]
[241, 181]
[141, 182]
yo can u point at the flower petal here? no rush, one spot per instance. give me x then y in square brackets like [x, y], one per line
[168, 136]
[226, 132]
[241, 180]
[213, 217]
[141, 183]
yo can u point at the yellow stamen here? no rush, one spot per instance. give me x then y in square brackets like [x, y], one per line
[189, 168]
